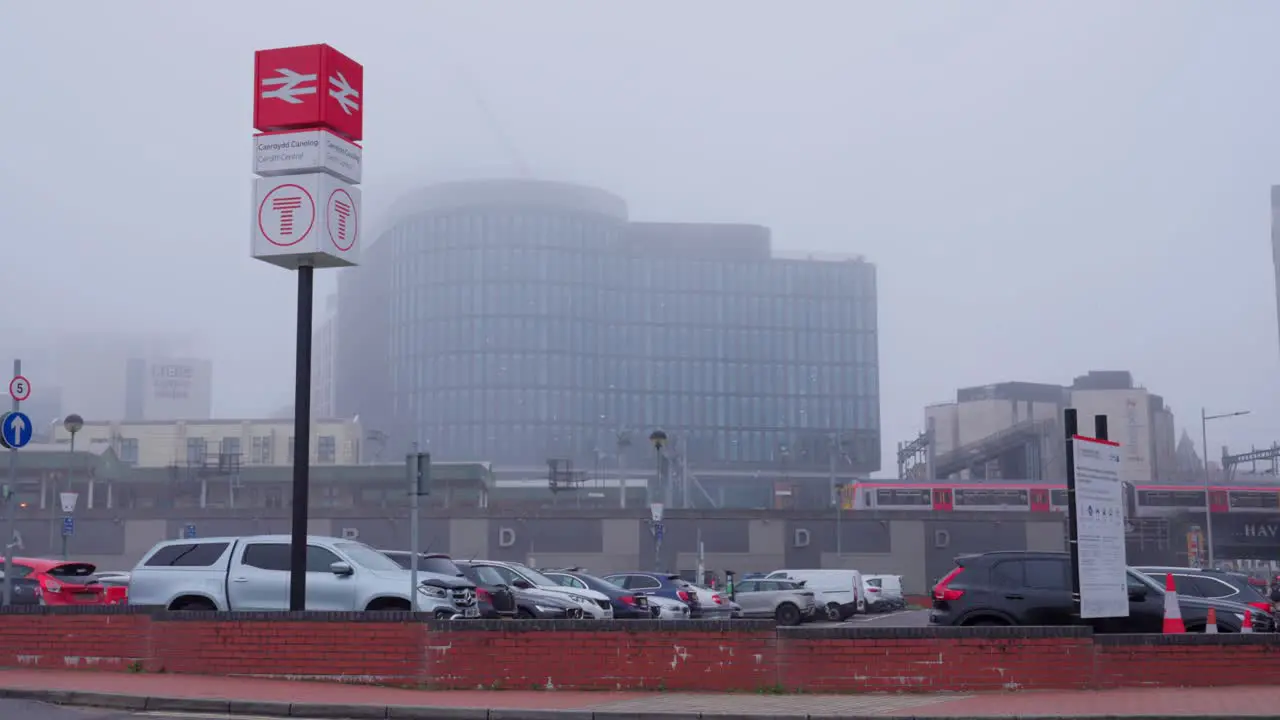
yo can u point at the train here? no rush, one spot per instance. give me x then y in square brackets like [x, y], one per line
[993, 496]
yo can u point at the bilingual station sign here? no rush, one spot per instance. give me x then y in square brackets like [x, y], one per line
[1100, 523]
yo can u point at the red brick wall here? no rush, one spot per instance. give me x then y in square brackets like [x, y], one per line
[698, 656]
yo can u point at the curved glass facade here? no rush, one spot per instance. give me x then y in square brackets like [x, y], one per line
[489, 327]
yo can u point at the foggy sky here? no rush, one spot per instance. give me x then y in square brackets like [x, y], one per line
[1046, 188]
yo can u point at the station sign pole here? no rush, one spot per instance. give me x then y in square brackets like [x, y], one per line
[1096, 521]
[308, 106]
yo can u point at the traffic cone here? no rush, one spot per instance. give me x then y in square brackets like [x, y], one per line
[1211, 624]
[1248, 622]
[1172, 611]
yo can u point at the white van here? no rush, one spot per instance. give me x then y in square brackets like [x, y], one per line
[883, 592]
[838, 593]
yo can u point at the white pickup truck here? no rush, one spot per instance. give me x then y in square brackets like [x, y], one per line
[252, 573]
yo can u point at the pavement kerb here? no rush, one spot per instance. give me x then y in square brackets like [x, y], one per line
[319, 711]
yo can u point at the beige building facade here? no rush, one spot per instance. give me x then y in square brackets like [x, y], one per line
[231, 442]
[1014, 429]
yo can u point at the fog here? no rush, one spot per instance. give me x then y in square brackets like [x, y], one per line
[1046, 188]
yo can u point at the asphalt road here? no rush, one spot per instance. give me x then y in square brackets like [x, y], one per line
[28, 710]
[901, 618]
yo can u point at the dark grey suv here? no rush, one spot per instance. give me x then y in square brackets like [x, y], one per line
[1034, 588]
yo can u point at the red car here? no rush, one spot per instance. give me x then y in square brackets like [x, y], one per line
[63, 582]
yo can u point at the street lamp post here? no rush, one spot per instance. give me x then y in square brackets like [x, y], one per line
[659, 439]
[1205, 417]
[72, 424]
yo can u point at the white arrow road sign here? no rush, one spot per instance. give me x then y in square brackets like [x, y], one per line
[289, 90]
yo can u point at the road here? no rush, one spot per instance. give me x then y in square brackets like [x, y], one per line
[900, 618]
[29, 710]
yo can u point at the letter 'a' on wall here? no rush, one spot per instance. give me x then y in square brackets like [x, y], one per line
[506, 537]
[802, 538]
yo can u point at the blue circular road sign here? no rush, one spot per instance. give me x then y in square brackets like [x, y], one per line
[15, 430]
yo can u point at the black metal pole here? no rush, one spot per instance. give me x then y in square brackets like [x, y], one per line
[1071, 426]
[301, 444]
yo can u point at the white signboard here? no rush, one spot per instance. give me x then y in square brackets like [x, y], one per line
[177, 389]
[655, 512]
[311, 219]
[1100, 521]
[68, 501]
[294, 152]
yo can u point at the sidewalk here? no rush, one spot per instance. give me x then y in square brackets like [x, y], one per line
[200, 694]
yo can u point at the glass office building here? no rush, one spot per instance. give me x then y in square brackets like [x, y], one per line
[517, 321]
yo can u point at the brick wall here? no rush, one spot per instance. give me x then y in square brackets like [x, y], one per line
[399, 649]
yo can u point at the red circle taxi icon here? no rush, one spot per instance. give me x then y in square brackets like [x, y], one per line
[342, 217]
[286, 215]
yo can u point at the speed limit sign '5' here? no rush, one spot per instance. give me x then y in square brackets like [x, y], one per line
[19, 388]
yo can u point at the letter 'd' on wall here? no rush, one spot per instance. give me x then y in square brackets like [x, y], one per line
[506, 537]
[941, 539]
[801, 538]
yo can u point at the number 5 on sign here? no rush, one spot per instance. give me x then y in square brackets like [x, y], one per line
[19, 388]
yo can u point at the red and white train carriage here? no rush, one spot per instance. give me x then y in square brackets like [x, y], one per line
[1012, 496]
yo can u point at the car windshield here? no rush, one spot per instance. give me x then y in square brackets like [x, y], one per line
[367, 557]
[74, 572]
[534, 576]
[601, 584]
[432, 564]
[485, 575]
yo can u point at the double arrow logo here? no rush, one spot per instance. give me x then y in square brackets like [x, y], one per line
[291, 86]
[289, 89]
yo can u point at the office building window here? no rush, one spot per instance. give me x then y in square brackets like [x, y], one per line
[129, 451]
[326, 449]
[195, 451]
[262, 451]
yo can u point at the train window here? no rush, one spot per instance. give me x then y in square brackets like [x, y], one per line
[1268, 499]
[1171, 498]
[902, 496]
[990, 497]
[1059, 497]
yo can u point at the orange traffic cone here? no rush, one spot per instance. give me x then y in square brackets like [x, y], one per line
[1172, 611]
[1248, 622]
[1211, 624]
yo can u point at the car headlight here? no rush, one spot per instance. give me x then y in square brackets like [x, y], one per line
[432, 591]
[1239, 616]
[540, 608]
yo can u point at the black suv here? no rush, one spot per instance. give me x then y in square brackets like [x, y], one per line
[1034, 588]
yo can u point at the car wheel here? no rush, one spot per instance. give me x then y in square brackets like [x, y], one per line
[194, 605]
[987, 623]
[388, 605]
[833, 612]
[787, 614]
